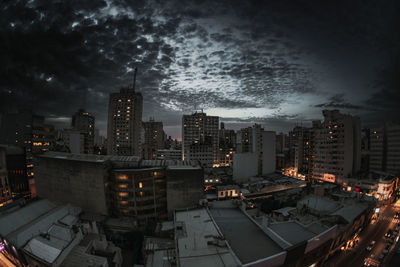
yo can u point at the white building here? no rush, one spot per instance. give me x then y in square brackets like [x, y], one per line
[337, 147]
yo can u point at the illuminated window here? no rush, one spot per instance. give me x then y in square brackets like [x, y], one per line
[123, 177]
[123, 194]
[124, 202]
[123, 186]
[140, 185]
[141, 193]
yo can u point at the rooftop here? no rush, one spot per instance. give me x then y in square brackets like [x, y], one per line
[294, 233]
[199, 243]
[240, 231]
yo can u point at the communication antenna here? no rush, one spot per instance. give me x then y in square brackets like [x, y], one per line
[134, 80]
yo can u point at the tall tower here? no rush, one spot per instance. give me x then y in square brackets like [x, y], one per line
[125, 122]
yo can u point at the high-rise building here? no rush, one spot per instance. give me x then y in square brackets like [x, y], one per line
[249, 140]
[84, 121]
[385, 149]
[337, 147]
[125, 122]
[200, 138]
[300, 152]
[154, 138]
[227, 146]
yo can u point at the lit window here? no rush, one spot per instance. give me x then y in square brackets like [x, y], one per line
[140, 185]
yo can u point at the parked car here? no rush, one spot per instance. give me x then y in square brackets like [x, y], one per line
[371, 245]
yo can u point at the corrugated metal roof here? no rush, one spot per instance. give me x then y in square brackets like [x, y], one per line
[13, 221]
[42, 250]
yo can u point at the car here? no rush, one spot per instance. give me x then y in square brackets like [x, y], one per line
[389, 233]
[371, 245]
[381, 257]
[396, 216]
[385, 251]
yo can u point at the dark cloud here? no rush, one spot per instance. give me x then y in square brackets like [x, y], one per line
[271, 57]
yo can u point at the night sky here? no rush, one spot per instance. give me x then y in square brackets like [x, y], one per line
[278, 63]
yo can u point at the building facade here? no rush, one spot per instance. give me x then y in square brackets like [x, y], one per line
[384, 154]
[200, 138]
[125, 122]
[83, 121]
[154, 138]
[337, 147]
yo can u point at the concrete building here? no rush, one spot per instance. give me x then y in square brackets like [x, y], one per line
[185, 186]
[125, 122]
[225, 233]
[245, 165]
[140, 193]
[169, 154]
[154, 138]
[301, 150]
[43, 135]
[74, 140]
[16, 171]
[83, 121]
[200, 138]
[120, 185]
[262, 158]
[226, 147]
[337, 147]
[42, 233]
[385, 149]
[5, 191]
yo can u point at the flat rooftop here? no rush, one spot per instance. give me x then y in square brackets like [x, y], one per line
[196, 236]
[240, 231]
[295, 233]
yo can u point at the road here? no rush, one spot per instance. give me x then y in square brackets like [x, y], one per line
[376, 232]
[5, 262]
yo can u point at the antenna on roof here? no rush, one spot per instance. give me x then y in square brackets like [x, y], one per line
[134, 80]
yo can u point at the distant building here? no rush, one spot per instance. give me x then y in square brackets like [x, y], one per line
[169, 154]
[200, 139]
[5, 191]
[125, 122]
[17, 171]
[83, 121]
[154, 138]
[384, 151]
[261, 158]
[337, 147]
[74, 140]
[43, 135]
[226, 146]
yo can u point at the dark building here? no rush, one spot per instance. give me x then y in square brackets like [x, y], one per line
[84, 122]
[185, 185]
[125, 122]
[17, 171]
[140, 193]
[119, 185]
[154, 138]
[227, 146]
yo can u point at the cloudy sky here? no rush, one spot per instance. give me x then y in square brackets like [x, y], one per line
[278, 63]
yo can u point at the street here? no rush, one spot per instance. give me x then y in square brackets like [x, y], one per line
[5, 262]
[376, 232]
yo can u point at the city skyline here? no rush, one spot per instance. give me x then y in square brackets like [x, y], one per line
[245, 62]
